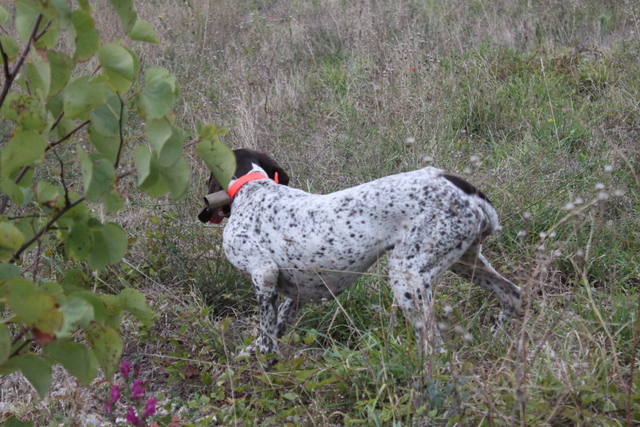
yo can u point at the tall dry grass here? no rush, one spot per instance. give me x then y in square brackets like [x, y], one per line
[535, 102]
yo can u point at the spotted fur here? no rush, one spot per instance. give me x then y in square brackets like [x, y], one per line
[310, 248]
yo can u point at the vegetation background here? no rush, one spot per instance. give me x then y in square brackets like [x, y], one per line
[534, 101]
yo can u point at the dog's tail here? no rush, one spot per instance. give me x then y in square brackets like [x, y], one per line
[492, 223]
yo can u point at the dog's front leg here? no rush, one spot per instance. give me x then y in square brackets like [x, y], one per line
[265, 280]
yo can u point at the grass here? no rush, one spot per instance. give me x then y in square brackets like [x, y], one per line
[542, 94]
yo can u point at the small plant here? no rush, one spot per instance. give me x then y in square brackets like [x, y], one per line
[131, 395]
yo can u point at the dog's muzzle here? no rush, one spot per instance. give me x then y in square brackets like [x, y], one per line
[212, 202]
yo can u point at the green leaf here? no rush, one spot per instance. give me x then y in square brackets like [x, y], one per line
[135, 303]
[4, 16]
[33, 308]
[99, 309]
[76, 311]
[87, 38]
[109, 246]
[156, 101]
[12, 190]
[5, 344]
[39, 76]
[106, 145]
[26, 111]
[149, 179]
[26, 19]
[83, 95]
[35, 369]
[219, 159]
[24, 149]
[143, 32]
[11, 239]
[104, 130]
[49, 195]
[8, 271]
[10, 46]
[118, 66]
[75, 280]
[78, 242]
[166, 141]
[97, 173]
[210, 131]
[105, 119]
[113, 202]
[177, 177]
[106, 346]
[26, 227]
[61, 65]
[159, 94]
[75, 358]
[15, 422]
[113, 311]
[126, 13]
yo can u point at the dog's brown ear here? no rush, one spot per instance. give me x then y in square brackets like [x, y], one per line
[271, 168]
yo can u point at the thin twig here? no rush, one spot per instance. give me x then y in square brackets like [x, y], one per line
[23, 55]
[115, 166]
[44, 229]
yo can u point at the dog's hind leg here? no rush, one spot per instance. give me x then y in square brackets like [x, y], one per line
[415, 299]
[475, 268]
[417, 261]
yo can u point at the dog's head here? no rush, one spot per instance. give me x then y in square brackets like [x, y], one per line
[246, 161]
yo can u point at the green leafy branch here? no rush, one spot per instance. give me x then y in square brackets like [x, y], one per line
[49, 104]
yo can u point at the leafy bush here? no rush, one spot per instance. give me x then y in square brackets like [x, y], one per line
[68, 104]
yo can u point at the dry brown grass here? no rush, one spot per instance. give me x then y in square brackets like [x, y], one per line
[544, 92]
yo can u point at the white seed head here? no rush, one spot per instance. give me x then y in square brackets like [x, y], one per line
[468, 337]
[543, 235]
[466, 171]
[427, 159]
[569, 207]
[618, 193]
[448, 309]
[458, 329]
[599, 186]
[608, 168]
[603, 195]
[522, 233]
[409, 141]
[527, 215]
[579, 201]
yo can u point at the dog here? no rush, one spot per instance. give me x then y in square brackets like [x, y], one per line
[310, 248]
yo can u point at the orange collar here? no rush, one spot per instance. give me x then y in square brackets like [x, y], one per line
[238, 183]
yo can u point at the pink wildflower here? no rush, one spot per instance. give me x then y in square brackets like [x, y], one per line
[136, 390]
[132, 417]
[115, 393]
[125, 369]
[150, 408]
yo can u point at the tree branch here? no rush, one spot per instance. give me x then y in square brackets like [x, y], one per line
[44, 229]
[115, 166]
[23, 55]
